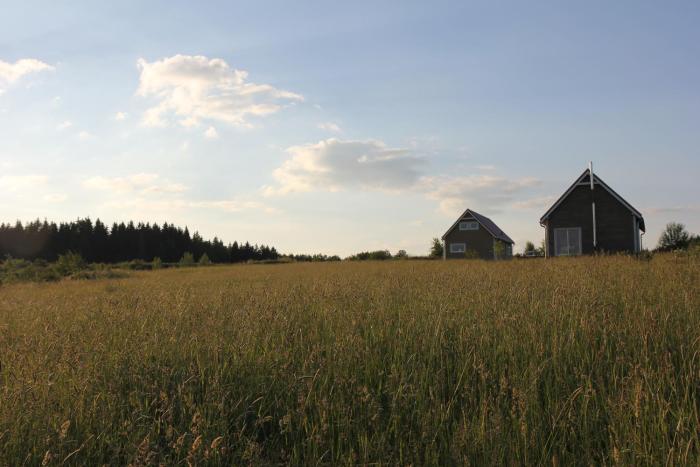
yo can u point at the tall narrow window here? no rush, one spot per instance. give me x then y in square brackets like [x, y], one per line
[567, 241]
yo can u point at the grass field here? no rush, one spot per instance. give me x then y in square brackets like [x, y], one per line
[581, 361]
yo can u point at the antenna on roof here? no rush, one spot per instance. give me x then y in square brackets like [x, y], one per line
[595, 233]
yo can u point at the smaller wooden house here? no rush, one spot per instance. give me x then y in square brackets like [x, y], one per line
[476, 236]
[591, 217]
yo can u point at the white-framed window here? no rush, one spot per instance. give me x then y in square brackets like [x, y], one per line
[468, 225]
[567, 241]
[458, 247]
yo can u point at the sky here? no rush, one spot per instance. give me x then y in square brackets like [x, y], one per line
[338, 127]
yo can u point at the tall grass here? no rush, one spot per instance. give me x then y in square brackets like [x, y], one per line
[581, 361]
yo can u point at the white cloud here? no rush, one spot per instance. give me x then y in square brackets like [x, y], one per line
[64, 125]
[329, 126]
[480, 192]
[14, 183]
[120, 116]
[10, 73]
[142, 183]
[55, 197]
[332, 165]
[211, 133]
[672, 209]
[539, 203]
[149, 192]
[85, 136]
[233, 205]
[191, 89]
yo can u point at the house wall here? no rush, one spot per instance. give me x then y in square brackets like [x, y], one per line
[613, 221]
[480, 241]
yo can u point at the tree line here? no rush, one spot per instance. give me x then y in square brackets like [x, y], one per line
[95, 242]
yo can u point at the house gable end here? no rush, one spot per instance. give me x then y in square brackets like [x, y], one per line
[584, 179]
[485, 222]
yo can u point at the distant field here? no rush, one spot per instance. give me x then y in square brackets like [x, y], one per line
[581, 361]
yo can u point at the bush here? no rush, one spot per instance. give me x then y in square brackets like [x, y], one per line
[156, 263]
[69, 263]
[187, 259]
[204, 260]
[371, 255]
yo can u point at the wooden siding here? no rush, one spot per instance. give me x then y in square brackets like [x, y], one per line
[613, 221]
[480, 241]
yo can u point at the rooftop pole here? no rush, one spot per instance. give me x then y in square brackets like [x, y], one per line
[590, 176]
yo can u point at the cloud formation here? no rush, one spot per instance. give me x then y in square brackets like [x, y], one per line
[150, 192]
[139, 183]
[191, 89]
[482, 192]
[211, 133]
[10, 73]
[329, 126]
[541, 203]
[333, 165]
[14, 183]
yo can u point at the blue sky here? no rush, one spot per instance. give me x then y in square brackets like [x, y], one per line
[337, 127]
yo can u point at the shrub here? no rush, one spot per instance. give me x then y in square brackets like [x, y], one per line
[69, 263]
[204, 260]
[371, 255]
[187, 259]
[436, 248]
[156, 263]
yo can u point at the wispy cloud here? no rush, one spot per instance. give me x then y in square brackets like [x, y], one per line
[330, 127]
[211, 133]
[10, 73]
[14, 183]
[482, 192]
[673, 209]
[55, 197]
[538, 203]
[85, 136]
[64, 125]
[191, 89]
[120, 116]
[140, 183]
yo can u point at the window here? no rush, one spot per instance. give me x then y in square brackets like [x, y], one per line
[567, 241]
[468, 225]
[458, 247]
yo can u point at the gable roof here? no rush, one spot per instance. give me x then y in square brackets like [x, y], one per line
[485, 222]
[585, 178]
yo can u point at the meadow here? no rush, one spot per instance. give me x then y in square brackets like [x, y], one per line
[558, 362]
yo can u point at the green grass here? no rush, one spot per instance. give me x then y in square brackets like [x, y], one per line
[581, 361]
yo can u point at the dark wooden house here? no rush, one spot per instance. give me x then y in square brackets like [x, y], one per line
[476, 236]
[591, 217]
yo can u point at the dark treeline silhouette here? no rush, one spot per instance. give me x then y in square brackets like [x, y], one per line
[97, 243]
